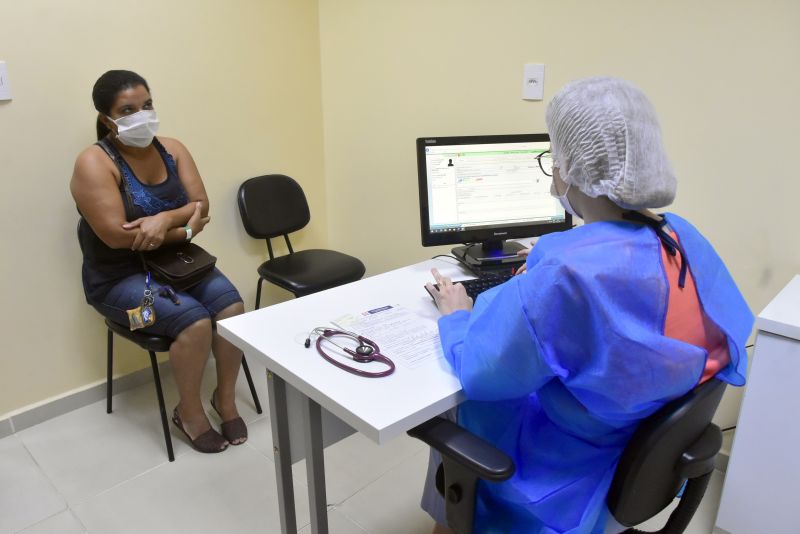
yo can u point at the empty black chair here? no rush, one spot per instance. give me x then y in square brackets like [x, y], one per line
[676, 444]
[275, 205]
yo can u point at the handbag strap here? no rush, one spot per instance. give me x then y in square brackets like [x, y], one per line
[128, 200]
[128, 203]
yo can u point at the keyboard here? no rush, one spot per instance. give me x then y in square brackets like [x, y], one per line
[476, 286]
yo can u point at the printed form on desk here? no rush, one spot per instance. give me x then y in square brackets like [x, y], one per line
[401, 334]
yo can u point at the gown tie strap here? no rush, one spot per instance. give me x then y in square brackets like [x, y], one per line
[670, 244]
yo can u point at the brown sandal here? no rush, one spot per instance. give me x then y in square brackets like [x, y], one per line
[235, 430]
[208, 442]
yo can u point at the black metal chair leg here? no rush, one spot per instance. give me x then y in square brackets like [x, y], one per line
[160, 393]
[109, 370]
[250, 383]
[258, 292]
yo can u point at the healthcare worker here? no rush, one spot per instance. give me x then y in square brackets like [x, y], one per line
[607, 323]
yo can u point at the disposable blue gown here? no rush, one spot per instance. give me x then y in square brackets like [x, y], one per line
[560, 364]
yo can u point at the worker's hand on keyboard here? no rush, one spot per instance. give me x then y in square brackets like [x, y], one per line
[449, 297]
[524, 252]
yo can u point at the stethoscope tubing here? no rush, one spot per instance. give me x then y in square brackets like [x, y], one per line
[325, 334]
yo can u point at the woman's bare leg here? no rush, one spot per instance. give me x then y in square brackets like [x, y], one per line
[188, 355]
[441, 529]
[229, 361]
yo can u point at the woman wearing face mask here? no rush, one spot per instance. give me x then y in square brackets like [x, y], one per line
[170, 206]
[609, 321]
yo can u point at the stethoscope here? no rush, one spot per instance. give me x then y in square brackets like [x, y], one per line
[367, 351]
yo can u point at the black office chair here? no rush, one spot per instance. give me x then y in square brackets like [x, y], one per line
[275, 205]
[152, 344]
[676, 444]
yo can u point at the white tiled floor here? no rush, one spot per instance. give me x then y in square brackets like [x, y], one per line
[87, 471]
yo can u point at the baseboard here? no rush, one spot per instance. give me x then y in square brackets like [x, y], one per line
[721, 461]
[46, 410]
[724, 454]
[5, 428]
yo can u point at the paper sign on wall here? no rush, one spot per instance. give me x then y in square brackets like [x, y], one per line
[5, 84]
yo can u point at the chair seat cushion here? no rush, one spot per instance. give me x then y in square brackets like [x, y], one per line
[309, 271]
[145, 340]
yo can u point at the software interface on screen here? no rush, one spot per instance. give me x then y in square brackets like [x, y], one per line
[489, 185]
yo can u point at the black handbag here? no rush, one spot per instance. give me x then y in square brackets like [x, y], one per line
[181, 265]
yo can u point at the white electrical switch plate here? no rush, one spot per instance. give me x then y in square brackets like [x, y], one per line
[533, 81]
[5, 85]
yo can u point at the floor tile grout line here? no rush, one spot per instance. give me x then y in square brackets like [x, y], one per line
[44, 474]
[68, 509]
[65, 502]
[130, 479]
[371, 481]
[353, 520]
[78, 519]
[365, 487]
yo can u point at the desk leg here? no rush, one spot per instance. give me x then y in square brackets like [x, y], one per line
[282, 451]
[315, 467]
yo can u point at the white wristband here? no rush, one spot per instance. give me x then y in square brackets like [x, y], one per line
[188, 232]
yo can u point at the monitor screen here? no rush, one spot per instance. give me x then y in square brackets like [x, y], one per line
[485, 189]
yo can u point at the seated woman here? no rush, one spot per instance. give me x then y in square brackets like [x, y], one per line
[608, 322]
[166, 204]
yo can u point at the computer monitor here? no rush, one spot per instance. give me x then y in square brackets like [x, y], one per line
[483, 190]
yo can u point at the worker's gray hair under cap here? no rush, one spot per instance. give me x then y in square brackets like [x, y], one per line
[606, 141]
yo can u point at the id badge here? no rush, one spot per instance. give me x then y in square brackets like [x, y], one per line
[144, 314]
[141, 316]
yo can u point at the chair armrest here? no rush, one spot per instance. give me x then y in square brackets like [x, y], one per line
[699, 458]
[465, 448]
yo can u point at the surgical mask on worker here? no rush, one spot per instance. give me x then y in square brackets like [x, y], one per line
[564, 200]
[137, 129]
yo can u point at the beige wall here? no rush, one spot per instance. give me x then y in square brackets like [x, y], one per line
[721, 74]
[238, 82]
[244, 86]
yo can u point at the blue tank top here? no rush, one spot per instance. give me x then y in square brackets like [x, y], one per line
[103, 266]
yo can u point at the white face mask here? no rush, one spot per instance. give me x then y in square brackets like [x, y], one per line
[137, 129]
[564, 200]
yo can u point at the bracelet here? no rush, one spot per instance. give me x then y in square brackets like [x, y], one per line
[188, 232]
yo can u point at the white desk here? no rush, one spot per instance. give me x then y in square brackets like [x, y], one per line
[380, 408]
[763, 477]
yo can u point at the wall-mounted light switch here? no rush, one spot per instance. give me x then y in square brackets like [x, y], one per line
[5, 85]
[533, 81]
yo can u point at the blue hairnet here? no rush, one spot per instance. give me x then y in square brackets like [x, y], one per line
[606, 141]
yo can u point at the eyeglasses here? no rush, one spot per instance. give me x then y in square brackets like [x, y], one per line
[545, 160]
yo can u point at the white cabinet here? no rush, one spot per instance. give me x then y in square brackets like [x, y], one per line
[762, 484]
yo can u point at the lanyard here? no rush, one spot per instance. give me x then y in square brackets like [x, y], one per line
[670, 244]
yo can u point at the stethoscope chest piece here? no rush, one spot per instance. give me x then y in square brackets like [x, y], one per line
[364, 354]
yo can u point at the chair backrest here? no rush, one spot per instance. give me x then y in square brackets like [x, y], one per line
[82, 228]
[272, 205]
[648, 475]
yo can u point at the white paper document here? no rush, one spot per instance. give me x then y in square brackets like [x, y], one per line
[403, 336]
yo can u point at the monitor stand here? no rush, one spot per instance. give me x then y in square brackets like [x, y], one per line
[489, 254]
